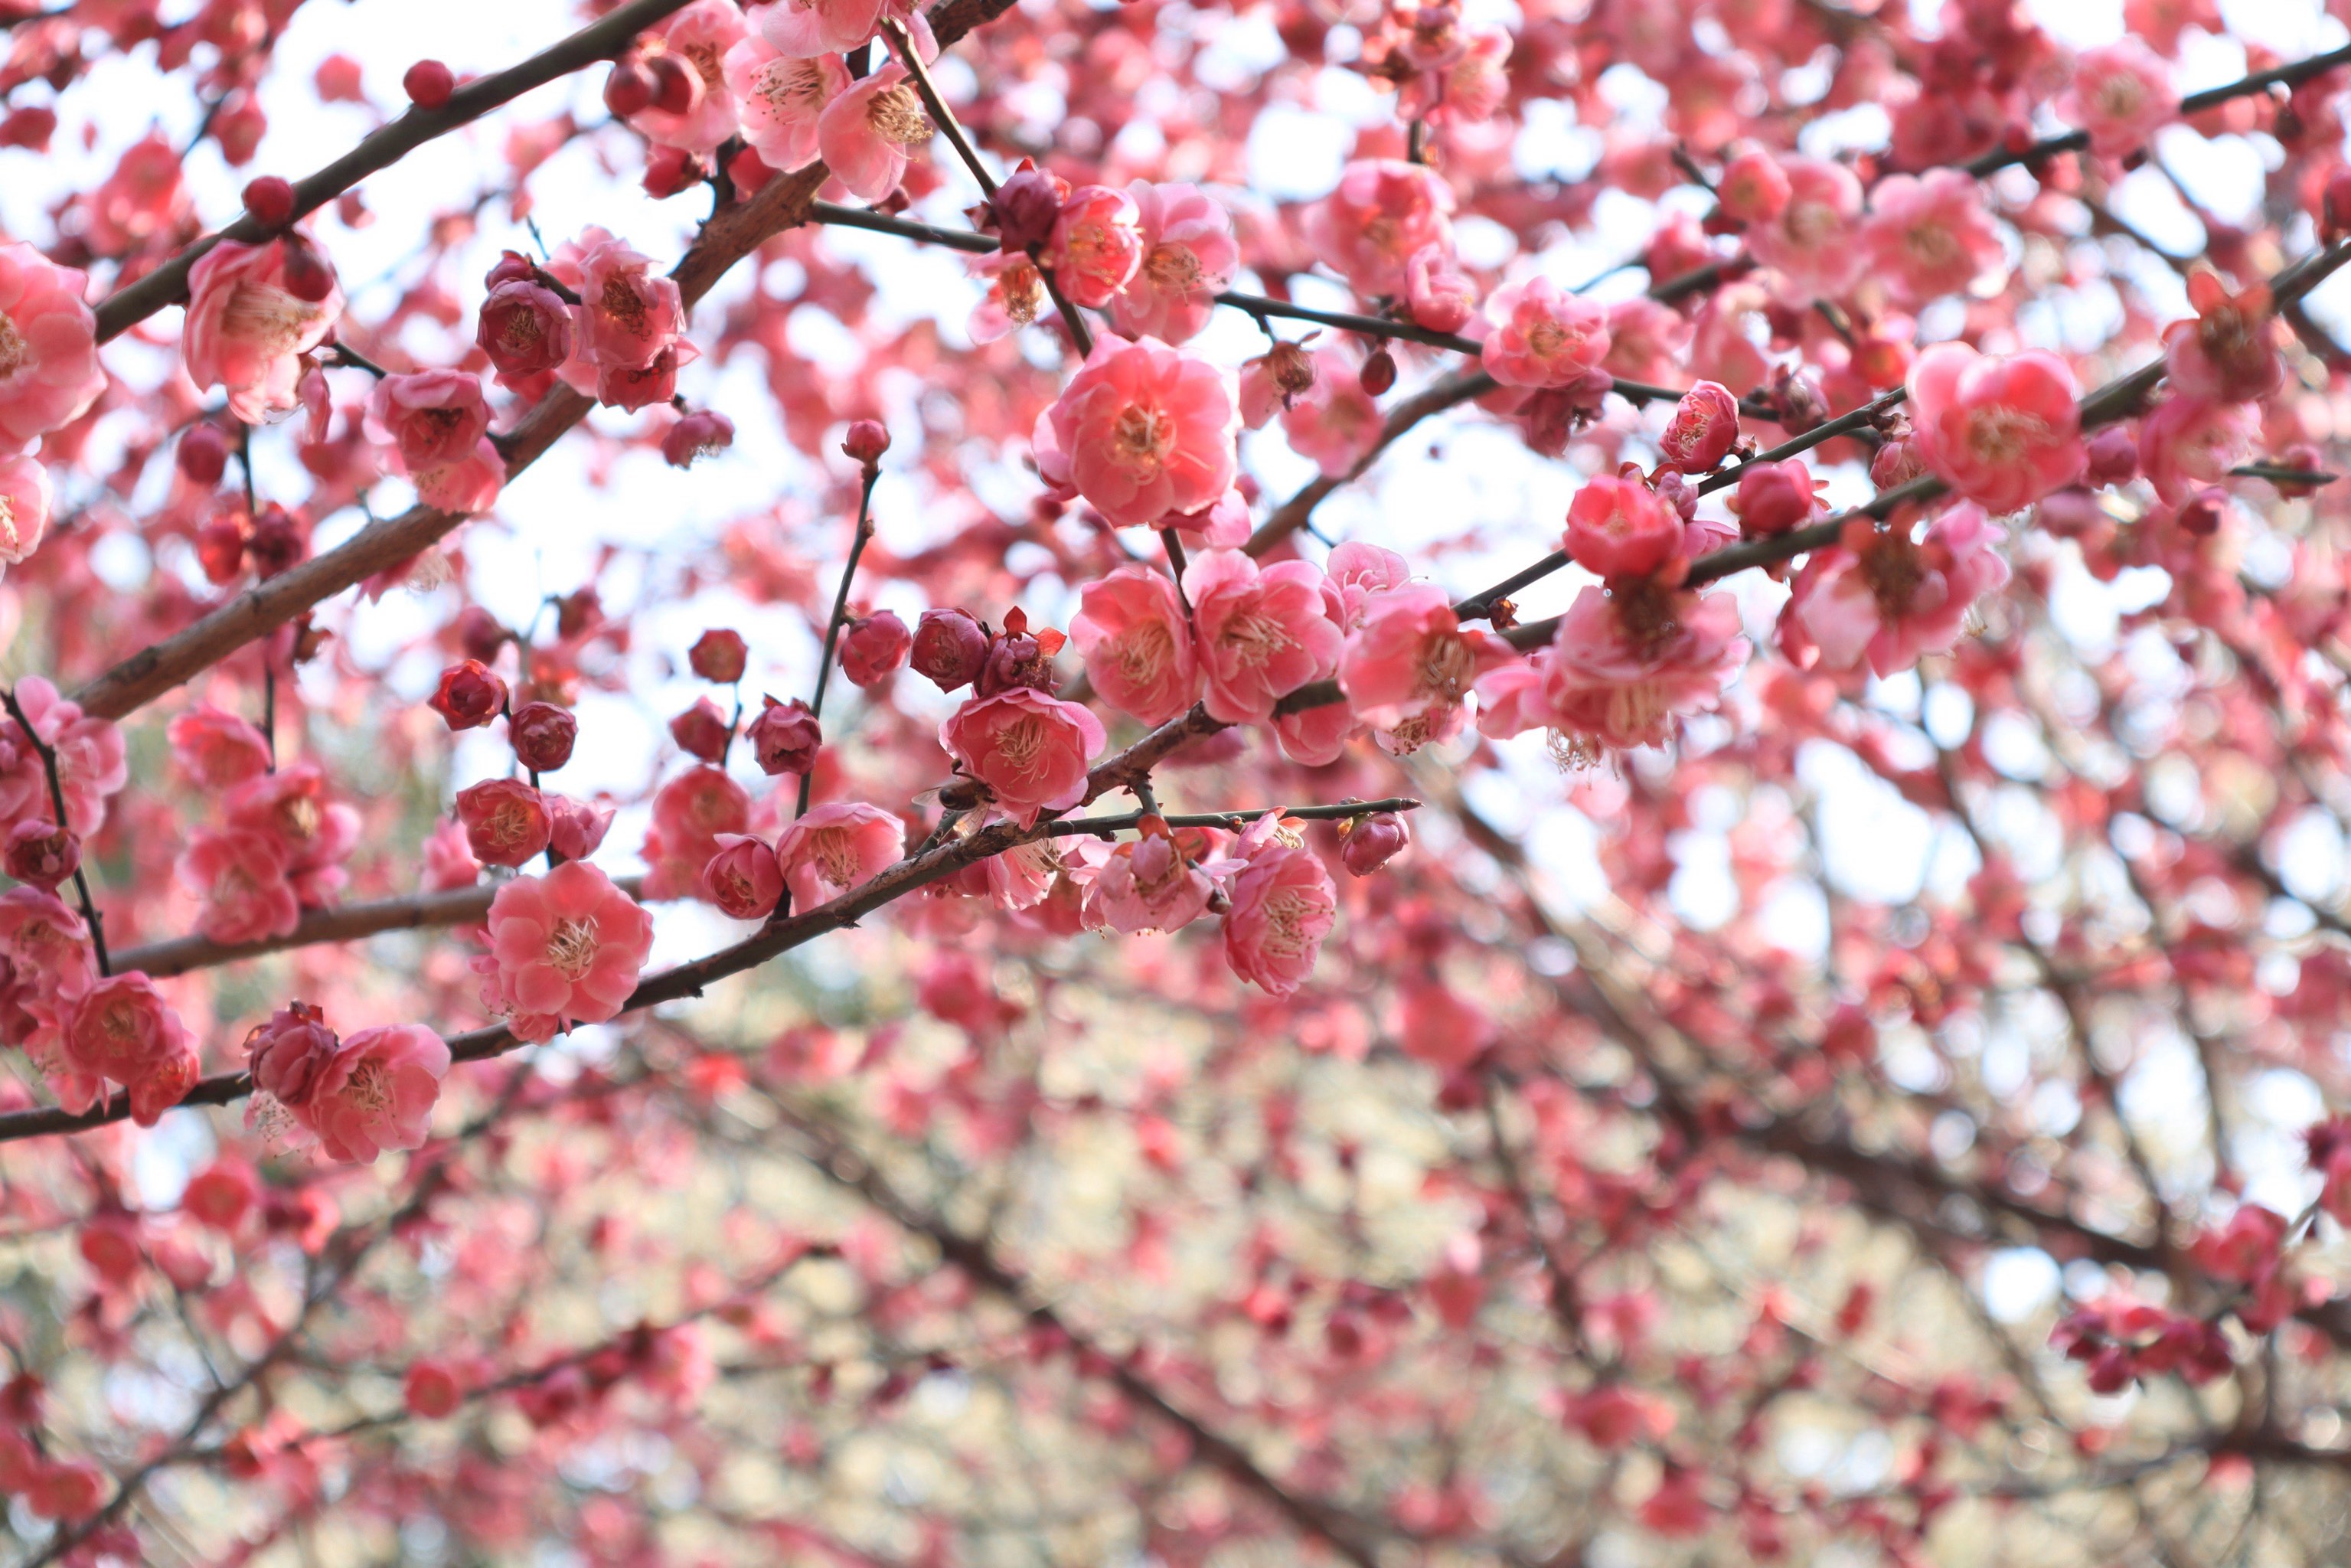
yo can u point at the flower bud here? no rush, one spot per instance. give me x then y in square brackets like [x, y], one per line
[2072, 513]
[479, 633]
[949, 648]
[1372, 843]
[308, 277]
[1675, 490]
[743, 878]
[42, 853]
[628, 90]
[1018, 659]
[287, 1054]
[677, 85]
[1379, 372]
[543, 735]
[2204, 513]
[1774, 497]
[702, 730]
[866, 441]
[430, 1391]
[2337, 205]
[526, 328]
[428, 84]
[871, 646]
[718, 655]
[203, 455]
[1024, 209]
[2113, 457]
[270, 201]
[470, 695]
[1703, 428]
[220, 546]
[504, 820]
[1896, 464]
[785, 738]
[276, 542]
[1798, 399]
[702, 432]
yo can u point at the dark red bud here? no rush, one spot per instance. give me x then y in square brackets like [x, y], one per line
[719, 655]
[42, 853]
[471, 695]
[949, 648]
[1379, 372]
[702, 730]
[203, 455]
[428, 84]
[628, 89]
[543, 735]
[307, 276]
[784, 739]
[674, 83]
[270, 200]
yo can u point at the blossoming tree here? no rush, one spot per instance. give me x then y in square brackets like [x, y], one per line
[902, 801]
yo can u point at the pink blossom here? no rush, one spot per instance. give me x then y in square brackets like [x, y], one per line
[782, 98]
[1930, 235]
[1283, 906]
[286, 1053]
[1189, 252]
[1620, 527]
[121, 1029]
[1892, 600]
[1468, 89]
[1222, 525]
[2122, 96]
[1703, 428]
[240, 876]
[1753, 189]
[576, 828]
[1619, 672]
[689, 813]
[1016, 296]
[2003, 432]
[49, 373]
[865, 133]
[1409, 657]
[567, 947]
[377, 1093]
[1440, 293]
[1335, 422]
[1811, 242]
[449, 862]
[91, 762]
[23, 507]
[216, 749]
[803, 28]
[845, 845]
[743, 878]
[1146, 886]
[1382, 211]
[2228, 351]
[1130, 632]
[1141, 430]
[246, 332]
[436, 424]
[1261, 632]
[698, 36]
[315, 834]
[2189, 443]
[1774, 497]
[1543, 335]
[1030, 749]
[505, 820]
[1646, 340]
[628, 312]
[1358, 571]
[1097, 244]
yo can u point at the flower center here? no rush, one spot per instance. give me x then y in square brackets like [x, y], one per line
[1143, 435]
[835, 854]
[1287, 916]
[1811, 223]
[1546, 339]
[1892, 568]
[1145, 654]
[8, 540]
[571, 947]
[792, 86]
[298, 815]
[1932, 244]
[13, 350]
[1022, 288]
[705, 61]
[1022, 744]
[269, 319]
[369, 1089]
[1173, 267]
[620, 301]
[1999, 434]
[1253, 638]
[1094, 248]
[895, 114]
[1446, 666]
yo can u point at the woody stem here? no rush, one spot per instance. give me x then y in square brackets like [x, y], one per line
[839, 617]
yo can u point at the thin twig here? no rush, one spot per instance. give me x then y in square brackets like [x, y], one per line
[839, 617]
[58, 804]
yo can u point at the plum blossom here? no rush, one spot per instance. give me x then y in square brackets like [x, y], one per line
[1030, 749]
[49, 373]
[1283, 905]
[506, 821]
[1334, 421]
[376, 1091]
[436, 426]
[836, 848]
[216, 749]
[48, 962]
[1930, 235]
[287, 1052]
[247, 328]
[92, 764]
[2189, 443]
[1543, 335]
[628, 319]
[240, 876]
[1620, 528]
[122, 1030]
[1189, 252]
[2003, 432]
[1143, 430]
[804, 29]
[25, 500]
[1889, 599]
[1440, 293]
[2122, 95]
[864, 135]
[1383, 211]
[565, 949]
[1147, 885]
[699, 36]
[2228, 352]
[1409, 660]
[782, 98]
[689, 813]
[1261, 632]
[1131, 631]
[1810, 242]
[1097, 244]
[743, 878]
[1619, 672]
[314, 834]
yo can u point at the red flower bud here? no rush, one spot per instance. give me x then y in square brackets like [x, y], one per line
[743, 878]
[702, 730]
[785, 738]
[470, 695]
[2337, 205]
[428, 84]
[2113, 457]
[719, 655]
[1372, 843]
[307, 276]
[276, 542]
[286, 1054]
[505, 819]
[203, 455]
[479, 633]
[543, 734]
[1774, 497]
[1703, 428]
[866, 441]
[1379, 372]
[219, 547]
[41, 852]
[1024, 208]
[2203, 516]
[677, 88]
[628, 90]
[871, 646]
[703, 431]
[270, 200]
[949, 648]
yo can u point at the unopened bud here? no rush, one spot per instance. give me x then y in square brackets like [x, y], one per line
[866, 441]
[949, 648]
[785, 738]
[719, 655]
[42, 853]
[871, 646]
[1379, 372]
[270, 201]
[702, 730]
[203, 455]
[428, 84]
[543, 735]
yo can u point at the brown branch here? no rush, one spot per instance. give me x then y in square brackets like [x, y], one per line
[167, 284]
